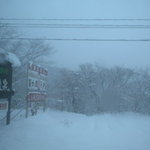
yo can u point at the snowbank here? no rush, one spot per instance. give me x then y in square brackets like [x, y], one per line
[10, 57]
[69, 131]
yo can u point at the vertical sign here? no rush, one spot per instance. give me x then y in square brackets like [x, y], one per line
[6, 86]
[37, 83]
[5, 80]
[36, 87]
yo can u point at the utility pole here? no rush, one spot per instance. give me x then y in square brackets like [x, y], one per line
[6, 91]
[8, 116]
[26, 98]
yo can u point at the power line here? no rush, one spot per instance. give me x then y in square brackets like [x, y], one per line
[77, 19]
[78, 39]
[31, 25]
[16, 23]
[19, 112]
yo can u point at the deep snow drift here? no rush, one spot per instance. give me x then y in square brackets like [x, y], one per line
[68, 131]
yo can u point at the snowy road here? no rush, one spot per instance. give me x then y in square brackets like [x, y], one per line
[68, 131]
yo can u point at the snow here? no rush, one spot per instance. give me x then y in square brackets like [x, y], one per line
[10, 57]
[68, 131]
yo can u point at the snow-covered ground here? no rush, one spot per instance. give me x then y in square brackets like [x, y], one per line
[68, 131]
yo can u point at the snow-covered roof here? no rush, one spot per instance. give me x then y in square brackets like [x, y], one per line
[10, 57]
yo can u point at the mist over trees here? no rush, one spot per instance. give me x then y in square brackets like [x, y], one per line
[94, 89]
[27, 51]
[90, 89]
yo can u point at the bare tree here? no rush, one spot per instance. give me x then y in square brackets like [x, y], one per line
[30, 50]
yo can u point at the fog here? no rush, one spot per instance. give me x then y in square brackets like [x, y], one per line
[70, 54]
[75, 9]
[107, 55]
[74, 74]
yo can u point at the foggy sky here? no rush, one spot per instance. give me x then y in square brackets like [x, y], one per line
[71, 54]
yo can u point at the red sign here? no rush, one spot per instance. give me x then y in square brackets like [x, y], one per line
[36, 96]
[38, 69]
[37, 82]
[3, 106]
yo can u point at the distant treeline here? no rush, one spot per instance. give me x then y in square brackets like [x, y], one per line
[95, 89]
[89, 90]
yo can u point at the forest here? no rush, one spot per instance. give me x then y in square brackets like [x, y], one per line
[91, 89]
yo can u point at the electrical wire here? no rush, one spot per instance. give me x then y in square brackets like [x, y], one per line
[31, 25]
[78, 39]
[19, 112]
[76, 19]
[67, 26]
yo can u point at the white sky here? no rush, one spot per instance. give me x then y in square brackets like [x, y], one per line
[71, 54]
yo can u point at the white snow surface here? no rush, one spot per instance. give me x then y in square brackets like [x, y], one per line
[12, 58]
[54, 130]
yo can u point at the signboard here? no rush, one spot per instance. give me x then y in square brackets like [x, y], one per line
[5, 80]
[3, 105]
[6, 62]
[37, 79]
[36, 96]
